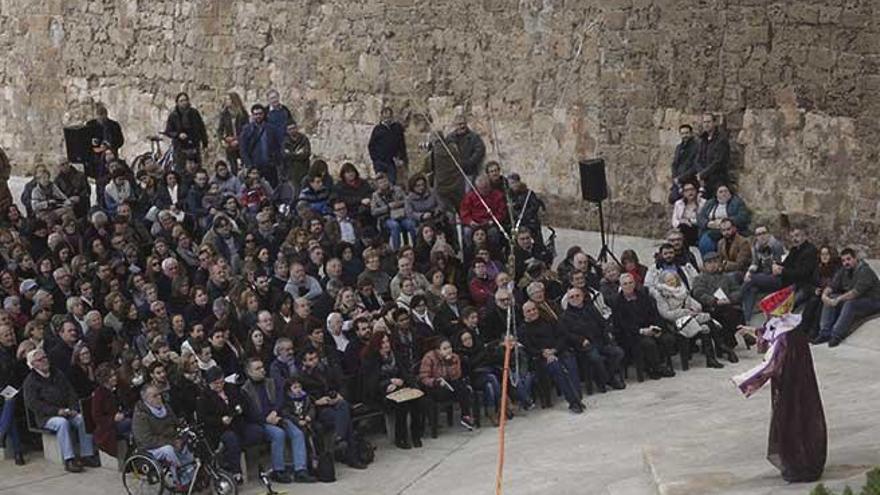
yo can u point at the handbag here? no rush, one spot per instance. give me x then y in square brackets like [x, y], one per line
[688, 326]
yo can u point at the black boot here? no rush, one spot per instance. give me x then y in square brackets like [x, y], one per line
[709, 350]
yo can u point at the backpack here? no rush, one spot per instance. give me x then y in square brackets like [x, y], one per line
[326, 471]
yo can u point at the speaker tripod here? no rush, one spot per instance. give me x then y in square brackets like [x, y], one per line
[605, 251]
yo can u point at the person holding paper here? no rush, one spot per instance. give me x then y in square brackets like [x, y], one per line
[720, 295]
[52, 400]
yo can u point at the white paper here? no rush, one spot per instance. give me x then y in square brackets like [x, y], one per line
[720, 295]
[233, 378]
[9, 392]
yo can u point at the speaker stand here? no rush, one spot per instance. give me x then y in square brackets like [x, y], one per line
[605, 251]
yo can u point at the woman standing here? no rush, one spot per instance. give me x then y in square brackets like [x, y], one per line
[110, 412]
[232, 120]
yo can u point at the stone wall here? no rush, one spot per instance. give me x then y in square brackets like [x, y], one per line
[546, 81]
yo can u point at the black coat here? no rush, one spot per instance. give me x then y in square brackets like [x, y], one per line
[44, 396]
[800, 264]
[386, 143]
[584, 323]
[445, 320]
[631, 316]
[541, 334]
[378, 373]
[713, 160]
[212, 408]
[110, 132]
[684, 161]
[187, 121]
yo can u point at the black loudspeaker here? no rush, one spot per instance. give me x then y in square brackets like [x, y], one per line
[78, 141]
[594, 186]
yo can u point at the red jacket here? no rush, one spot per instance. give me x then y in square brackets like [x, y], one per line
[434, 368]
[472, 209]
[482, 291]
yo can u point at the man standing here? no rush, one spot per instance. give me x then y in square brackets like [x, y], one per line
[388, 145]
[261, 145]
[853, 293]
[684, 161]
[296, 150]
[187, 131]
[470, 145]
[52, 400]
[277, 114]
[5, 193]
[105, 133]
[713, 157]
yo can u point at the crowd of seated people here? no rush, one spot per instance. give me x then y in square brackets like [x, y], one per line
[275, 304]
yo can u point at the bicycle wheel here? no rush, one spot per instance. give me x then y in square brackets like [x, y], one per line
[142, 476]
[223, 484]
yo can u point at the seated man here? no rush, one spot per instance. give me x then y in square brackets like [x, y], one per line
[263, 409]
[547, 346]
[762, 276]
[334, 412]
[638, 324]
[154, 426]
[588, 335]
[734, 250]
[51, 399]
[720, 296]
[853, 293]
[667, 262]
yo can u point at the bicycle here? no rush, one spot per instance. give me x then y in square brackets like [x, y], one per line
[154, 160]
[142, 474]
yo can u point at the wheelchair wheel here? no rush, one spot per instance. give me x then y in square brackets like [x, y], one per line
[223, 484]
[141, 475]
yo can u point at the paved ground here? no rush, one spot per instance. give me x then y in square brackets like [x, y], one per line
[689, 435]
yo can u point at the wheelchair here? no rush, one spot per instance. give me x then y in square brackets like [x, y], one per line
[143, 474]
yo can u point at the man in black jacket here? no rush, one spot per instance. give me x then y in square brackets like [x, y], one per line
[547, 346]
[75, 185]
[713, 157]
[51, 399]
[797, 268]
[105, 132]
[638, 324]
[589, 337]
[388, 145]
[684, 161]
[470, 145]
[334, 412]
[187, 131]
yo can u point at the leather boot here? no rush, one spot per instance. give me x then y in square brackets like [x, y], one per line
[709, 350]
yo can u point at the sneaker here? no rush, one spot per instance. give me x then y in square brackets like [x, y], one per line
[617, 384]
[91, 461]
[834, 342]
[821, 340]
[303, 477]
[467, 423]
[238, 479]
[417, 443]
[576, 408]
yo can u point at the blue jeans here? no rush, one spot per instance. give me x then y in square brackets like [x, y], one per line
[564, 372]
[760, 282]
[708, 241]
[62, 428]
[389, 168]
[8, 427]
[836, 321]
[525, 380]
[174, 459]
[396, 227]
[278, 437]
[488, 382]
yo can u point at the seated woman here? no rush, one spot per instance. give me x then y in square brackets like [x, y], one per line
[47, 201]
[440, 374]
[686, 315]
[631, 265]
[384, 373]
[481, 364]
[685, 211]
[110, 411]
[154, 427]
[724, 205]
